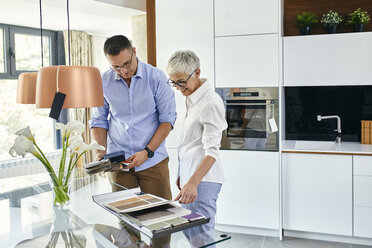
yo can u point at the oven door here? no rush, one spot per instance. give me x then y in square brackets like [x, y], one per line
[248, 125]
[246, 118]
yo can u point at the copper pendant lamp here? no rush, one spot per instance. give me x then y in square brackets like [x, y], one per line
[82, 85]
[26, 88]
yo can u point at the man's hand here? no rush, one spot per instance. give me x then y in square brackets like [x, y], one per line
[137, 159]
[188, 194]
[100, 154]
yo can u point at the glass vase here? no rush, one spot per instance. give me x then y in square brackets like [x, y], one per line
[61, 191]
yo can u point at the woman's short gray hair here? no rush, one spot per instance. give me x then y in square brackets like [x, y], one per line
[183, 62]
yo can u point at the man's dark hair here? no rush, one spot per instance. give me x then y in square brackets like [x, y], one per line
[115, 44]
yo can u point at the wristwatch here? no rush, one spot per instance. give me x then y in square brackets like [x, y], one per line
[150, 153]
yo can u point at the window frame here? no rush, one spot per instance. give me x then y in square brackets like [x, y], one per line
[9, 32]
[10, 71]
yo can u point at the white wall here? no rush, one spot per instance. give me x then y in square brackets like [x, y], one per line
[98, 57]
[139, 34]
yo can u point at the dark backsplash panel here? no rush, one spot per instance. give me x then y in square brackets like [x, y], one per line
[303, 104]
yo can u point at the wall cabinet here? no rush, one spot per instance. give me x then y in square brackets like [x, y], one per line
[180, 25]
[337, 59]
[241, 17]
[363, 196]
[247, 61]
[317, 193]
[250, 194]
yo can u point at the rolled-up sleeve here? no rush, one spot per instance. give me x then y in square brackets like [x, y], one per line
[165, 102]
[100, 116]
[213, 121]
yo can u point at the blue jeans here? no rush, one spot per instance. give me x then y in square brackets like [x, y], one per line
[204, 204]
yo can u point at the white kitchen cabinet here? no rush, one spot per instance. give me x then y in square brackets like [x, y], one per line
[363, 222]
[363, 191]
[182, 25]
[331, 59]
[250, 194]
[247, 61]
[362, 165]
[363, 196]
[240, 17]
[317, 193]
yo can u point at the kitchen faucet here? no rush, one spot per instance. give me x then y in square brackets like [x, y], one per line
[338, 138]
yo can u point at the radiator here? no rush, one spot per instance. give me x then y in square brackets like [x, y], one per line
[28, 165]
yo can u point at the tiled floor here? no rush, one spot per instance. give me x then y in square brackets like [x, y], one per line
[253, 241]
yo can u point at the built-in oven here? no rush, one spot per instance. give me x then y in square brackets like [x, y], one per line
[252, 118]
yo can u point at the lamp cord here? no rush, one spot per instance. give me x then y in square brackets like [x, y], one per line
[41, 35]
[68, 31]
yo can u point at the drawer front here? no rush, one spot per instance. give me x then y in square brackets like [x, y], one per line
[363, 222]
[362, 165]
[363, 191]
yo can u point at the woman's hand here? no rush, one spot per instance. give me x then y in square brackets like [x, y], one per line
[188, 194]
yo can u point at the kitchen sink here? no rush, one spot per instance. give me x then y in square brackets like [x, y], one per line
[315, 145]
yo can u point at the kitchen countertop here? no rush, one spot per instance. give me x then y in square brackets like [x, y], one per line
[325, 147]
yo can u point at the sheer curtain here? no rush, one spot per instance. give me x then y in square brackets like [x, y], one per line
[80, 54]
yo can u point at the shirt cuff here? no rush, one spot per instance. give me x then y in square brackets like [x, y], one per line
[167, 118]
[212, 144]
[98, 123]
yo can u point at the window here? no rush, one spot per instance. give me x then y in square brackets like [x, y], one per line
[16, 116]
[2, 65]
[28, 57]
[20, 51]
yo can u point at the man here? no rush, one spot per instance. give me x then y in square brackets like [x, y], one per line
[137, 116]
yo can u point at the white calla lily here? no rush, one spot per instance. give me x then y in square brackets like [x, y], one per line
[95, 145]
[72, 127]
[62, 127]
[22, 145]
[75, 127]
[78, 146]
[27, 133]
[72, 138]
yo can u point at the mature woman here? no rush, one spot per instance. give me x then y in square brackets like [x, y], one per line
[200, 174]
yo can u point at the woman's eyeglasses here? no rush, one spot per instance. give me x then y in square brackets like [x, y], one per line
[181, 83]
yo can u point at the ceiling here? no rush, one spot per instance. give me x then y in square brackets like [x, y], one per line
[100, 17]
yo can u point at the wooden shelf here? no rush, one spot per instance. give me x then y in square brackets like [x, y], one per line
[319, 7]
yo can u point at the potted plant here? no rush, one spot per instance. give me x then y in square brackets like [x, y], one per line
[305, 20]
[357, 19]
[330, 20]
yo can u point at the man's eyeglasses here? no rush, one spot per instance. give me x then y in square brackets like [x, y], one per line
[180, 84]
[126, 65]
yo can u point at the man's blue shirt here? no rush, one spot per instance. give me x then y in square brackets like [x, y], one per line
[132, 114]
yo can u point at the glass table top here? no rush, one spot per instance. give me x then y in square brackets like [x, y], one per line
[29, 219]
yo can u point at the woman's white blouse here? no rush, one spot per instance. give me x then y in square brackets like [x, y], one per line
[201, 132]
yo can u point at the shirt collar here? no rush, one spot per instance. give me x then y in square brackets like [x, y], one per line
[140, 70]
[198, 94]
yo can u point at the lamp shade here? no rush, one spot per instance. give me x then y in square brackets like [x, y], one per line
[81, 84]
[26, 88]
